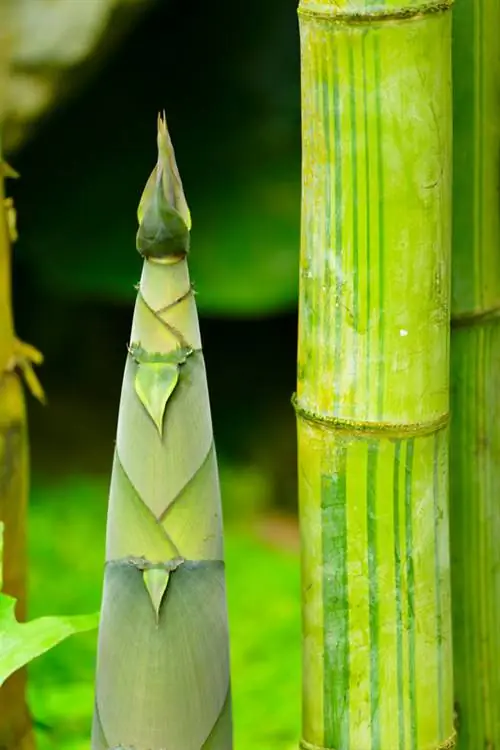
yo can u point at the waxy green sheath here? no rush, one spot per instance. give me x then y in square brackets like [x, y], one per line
[475, 374]
[373, 373]
[163, 657]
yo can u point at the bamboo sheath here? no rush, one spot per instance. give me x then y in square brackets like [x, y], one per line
[373, 374]
[475, 374]
[163, 656]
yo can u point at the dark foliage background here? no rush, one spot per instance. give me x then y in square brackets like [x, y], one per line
[228, 78]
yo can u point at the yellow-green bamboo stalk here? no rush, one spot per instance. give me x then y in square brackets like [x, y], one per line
[372, 395]
[163, 658]
[15, 722]
[475, 374]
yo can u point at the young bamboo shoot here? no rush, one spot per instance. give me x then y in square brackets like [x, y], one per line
[163, 656]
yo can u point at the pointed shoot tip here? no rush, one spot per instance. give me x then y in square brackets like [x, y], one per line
[163, 213]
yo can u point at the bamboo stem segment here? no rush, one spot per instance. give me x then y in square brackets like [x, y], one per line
[475, 374]
[15, 721]
[373, 374]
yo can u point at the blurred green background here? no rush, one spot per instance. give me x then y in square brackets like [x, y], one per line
[227, 75]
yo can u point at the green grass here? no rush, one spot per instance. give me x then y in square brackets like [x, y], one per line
[67, 527]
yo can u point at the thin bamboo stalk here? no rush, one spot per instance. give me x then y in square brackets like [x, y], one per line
[15, 721]
[163, 657]
[373, 372]
[475, 374]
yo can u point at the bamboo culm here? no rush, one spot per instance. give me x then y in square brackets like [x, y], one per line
[15, 721]
[163, 654]
[15, 357]
[373, 375]
[475, 374]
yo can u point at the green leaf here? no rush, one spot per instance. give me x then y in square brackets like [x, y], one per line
[20, 643]
[154, 384]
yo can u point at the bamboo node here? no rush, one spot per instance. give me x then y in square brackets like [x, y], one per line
[475, 318]
[333, 14]
[358, 428]
[142, 564]
[448, 744]
[24, 357]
